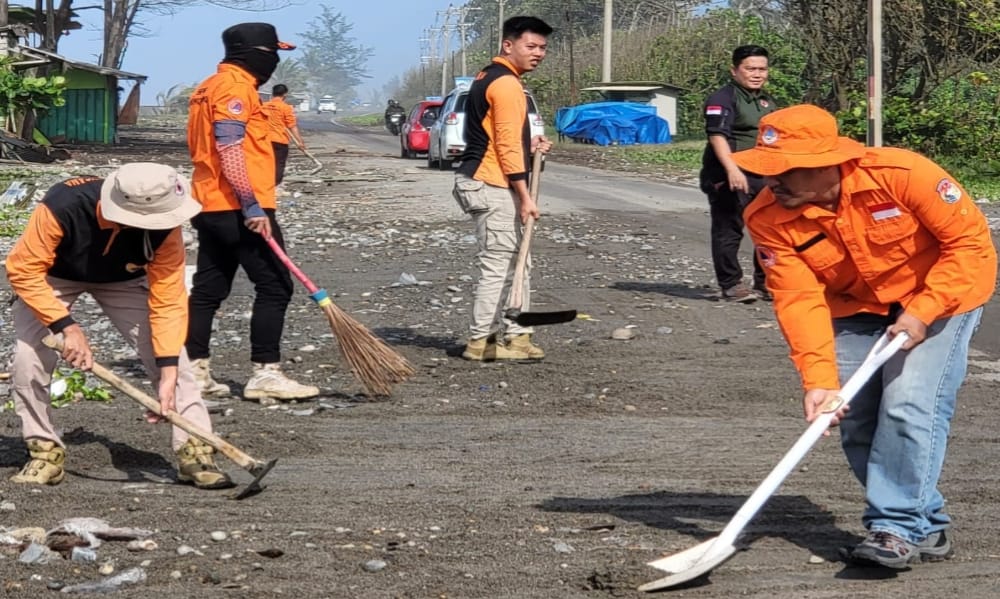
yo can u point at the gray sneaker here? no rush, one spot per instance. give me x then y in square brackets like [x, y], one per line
[887, 550]
[739, 293]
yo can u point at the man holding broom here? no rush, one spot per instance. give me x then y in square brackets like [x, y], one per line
[234, 179]
[491, 185]
[118, 239]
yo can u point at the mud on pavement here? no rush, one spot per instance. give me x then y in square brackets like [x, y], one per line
[557, 479]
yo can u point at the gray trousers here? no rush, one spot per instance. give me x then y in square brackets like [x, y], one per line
[125, 303]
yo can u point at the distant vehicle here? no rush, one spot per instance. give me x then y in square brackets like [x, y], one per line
[447, 135]
[303, 105]
[414, 134]
[326, 104]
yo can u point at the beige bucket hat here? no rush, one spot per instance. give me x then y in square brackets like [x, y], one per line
[148, 196]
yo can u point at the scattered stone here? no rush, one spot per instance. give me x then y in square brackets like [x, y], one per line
[176, 574]
[219, 535]
[7, 506]
[188, 550]
[374, 565]
[561, 547]
[664, 330]
[83, 555]
[106, 568]
[815, 559]
[623, 334]
[142, 545]
[270, 552]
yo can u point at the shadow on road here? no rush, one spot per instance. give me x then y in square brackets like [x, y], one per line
[672, 289]
[791, 517]
[403, 336]
[132, 462]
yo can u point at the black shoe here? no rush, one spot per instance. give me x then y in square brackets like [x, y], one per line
[762, 292]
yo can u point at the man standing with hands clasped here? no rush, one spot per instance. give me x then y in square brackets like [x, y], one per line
[731, 117]
[491, 186]
[234, 179]
[858, 242]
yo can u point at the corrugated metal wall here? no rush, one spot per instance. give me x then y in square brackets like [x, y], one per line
[86, 117]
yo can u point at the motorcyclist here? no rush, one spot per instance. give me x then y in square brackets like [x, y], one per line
[394, 108]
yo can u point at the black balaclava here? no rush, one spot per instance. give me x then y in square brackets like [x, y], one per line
[244, 43]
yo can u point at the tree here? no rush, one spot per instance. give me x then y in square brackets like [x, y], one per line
[336, 65]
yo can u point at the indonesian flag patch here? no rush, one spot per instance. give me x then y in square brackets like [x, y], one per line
[713, 110]
[884, 211]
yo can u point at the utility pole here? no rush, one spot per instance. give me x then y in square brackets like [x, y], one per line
[462, 26]
[500, 4]
[875, 73]
[4, 10]
[606, 63]
[444, 53]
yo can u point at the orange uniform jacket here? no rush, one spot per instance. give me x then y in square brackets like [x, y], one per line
[904, 232]
[281, 118]
[67, 237]
[229, 95]
[497, 133]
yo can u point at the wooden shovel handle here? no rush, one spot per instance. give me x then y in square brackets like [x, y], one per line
[230, 451]
[517, 285]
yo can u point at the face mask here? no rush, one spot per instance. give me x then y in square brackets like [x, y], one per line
[260, 63]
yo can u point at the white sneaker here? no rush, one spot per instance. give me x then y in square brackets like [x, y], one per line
[269, 382]
[203, 376]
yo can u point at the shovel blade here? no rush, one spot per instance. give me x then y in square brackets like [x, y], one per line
[710, 560]
[258, 472]
[534, 319]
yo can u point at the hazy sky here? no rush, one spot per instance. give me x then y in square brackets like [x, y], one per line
[186, 47]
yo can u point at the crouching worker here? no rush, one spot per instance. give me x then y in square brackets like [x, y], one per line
[118, 239]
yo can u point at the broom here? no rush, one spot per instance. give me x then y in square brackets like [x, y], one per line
[374, 363]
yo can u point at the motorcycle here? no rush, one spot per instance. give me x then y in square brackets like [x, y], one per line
[394, 122]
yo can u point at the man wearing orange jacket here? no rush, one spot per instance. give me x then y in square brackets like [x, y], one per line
[281, 118]
[228, 138]
[491, 186]
[858, 241]
[118, 239]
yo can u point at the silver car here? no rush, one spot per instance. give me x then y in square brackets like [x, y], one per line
[447, 134]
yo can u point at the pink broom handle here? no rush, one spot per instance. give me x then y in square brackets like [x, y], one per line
[317, 294]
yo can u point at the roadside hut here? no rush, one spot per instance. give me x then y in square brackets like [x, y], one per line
[661, 96]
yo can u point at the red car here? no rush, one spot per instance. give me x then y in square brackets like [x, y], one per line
[414, 136]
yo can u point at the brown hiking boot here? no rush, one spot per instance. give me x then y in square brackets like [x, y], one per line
[196, 465]
[203, 376]
[522, 346]
[480, 350]
[739, 293]
[45, 466]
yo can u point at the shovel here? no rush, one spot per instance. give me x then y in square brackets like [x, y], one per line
[255, 467]
[704, 557]
[530, 319]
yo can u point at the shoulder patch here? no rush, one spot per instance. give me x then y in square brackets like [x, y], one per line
[713, 110]
[948, 191]
[766, 256]
[235, 106]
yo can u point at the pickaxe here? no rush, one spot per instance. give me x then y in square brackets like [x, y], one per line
[256, 468]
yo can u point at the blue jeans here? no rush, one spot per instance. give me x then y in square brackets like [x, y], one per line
[896, 431]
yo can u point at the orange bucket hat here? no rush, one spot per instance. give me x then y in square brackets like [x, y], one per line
[801, 136]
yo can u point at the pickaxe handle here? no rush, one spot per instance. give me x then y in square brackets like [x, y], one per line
[228, 449]
[517, 285]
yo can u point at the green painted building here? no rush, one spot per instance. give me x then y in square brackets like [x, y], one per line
[90, 114]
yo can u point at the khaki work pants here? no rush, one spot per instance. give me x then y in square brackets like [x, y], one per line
[498, 233]
[125, 303]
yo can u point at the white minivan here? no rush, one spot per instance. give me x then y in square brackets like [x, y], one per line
[447, 134]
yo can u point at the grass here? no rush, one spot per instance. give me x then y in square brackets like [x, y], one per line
[374, 119]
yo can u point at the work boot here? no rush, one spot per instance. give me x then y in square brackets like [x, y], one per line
[760, 289]
[739, 293]
[45, 466]
[196, 465]
[269, 382]
[480, 350]
[203, 376]
[521, 344]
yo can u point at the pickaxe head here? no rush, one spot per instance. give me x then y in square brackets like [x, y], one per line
[259, 472]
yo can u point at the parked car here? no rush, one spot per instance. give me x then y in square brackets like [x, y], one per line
[447, 135]
[326, 104]
[414, 136]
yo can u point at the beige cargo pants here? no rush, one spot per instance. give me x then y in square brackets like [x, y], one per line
[125, 304]
[498, 232]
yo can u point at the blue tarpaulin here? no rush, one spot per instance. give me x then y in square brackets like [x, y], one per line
[606, 123]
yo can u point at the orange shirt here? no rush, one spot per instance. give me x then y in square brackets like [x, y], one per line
[903, 232]
[229, 95]
[281, 118]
